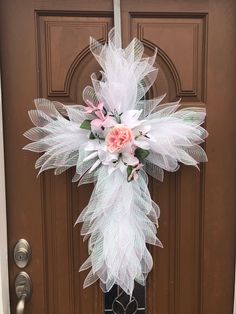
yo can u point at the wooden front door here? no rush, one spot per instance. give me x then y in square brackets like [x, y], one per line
[45, 53]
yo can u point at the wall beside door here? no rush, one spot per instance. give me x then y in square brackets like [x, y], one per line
[4, 286]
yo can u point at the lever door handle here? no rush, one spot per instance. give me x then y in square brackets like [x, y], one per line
[23, 288]
[21, 305]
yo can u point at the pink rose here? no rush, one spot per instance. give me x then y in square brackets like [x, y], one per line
[118, 138]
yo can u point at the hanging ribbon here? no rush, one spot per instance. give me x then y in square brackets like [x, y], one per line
[117, 23]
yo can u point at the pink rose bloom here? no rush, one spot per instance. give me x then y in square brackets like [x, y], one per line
[118, 138]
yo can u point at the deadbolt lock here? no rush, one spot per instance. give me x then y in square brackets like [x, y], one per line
[22, 253]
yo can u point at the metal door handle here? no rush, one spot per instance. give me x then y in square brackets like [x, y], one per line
[21, 305]
[23, 288]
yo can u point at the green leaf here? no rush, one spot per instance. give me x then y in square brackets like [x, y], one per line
[86, 124]
[129, 170]
[141, 154]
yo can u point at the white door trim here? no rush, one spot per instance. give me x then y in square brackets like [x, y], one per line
[235, 293]
[4, 284]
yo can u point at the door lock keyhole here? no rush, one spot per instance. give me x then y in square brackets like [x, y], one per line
[22, 253]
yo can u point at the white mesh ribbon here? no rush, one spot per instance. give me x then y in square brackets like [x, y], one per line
[113, 140]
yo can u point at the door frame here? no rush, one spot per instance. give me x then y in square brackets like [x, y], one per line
[4, 282]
